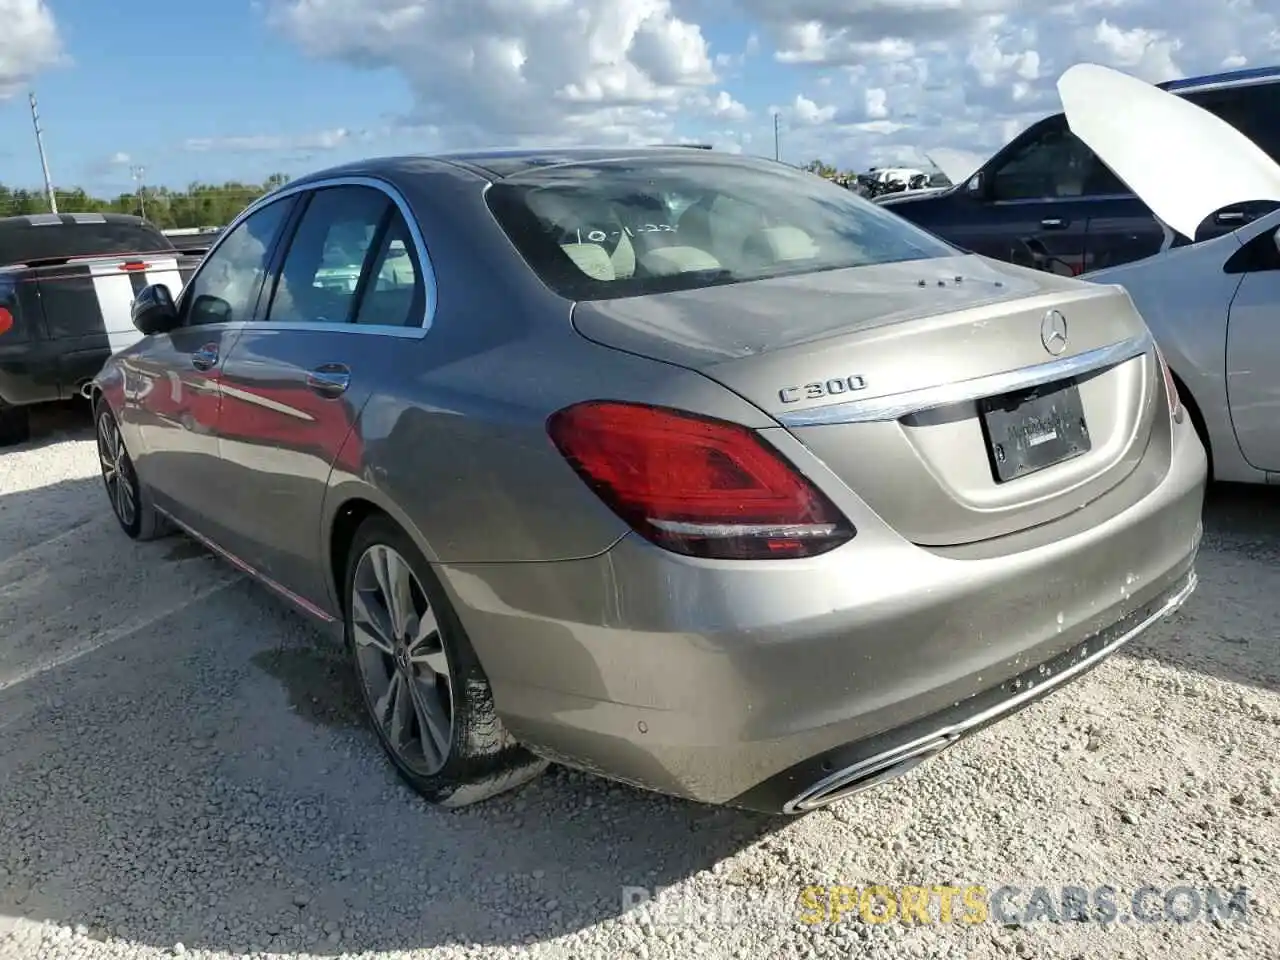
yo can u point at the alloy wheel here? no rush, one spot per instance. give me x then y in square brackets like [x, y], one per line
[401, 659]
[117, 471]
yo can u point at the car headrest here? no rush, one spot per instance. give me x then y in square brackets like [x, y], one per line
[694, 225]
[665, 261]
[780, 245]
[592, 259]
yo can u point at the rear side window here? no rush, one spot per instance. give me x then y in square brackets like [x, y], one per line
[350, 260]
[1253, 110]
[320, 275]
[624, 228]
[51, 237]
[394, 293]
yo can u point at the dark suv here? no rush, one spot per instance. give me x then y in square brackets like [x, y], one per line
[1046, 200]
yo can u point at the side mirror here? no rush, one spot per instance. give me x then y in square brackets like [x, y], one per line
[977, 186]
[210, 309]
[153, 310]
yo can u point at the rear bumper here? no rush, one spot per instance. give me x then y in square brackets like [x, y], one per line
[747, 683]
[45, 371]
[839, 773]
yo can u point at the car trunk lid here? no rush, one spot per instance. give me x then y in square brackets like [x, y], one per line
[884, 372]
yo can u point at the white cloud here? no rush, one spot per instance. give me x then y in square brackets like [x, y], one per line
[877, 103]
[1144, 53]
[807, 113]
[120, 159]
[522, 69]
[725, 106]
[268, 143]
[913, 74]
[29, 42]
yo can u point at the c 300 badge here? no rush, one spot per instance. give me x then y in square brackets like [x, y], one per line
[822, 388]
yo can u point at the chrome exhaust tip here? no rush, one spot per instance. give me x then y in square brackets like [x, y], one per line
[868, 774]
[86, 390]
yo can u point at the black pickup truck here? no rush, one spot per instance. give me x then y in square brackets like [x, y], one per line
[67, 283]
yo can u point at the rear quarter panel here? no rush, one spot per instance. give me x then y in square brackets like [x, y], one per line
[453, 440]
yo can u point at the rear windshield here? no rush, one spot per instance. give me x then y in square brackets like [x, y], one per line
[622, 228]
[22, 241]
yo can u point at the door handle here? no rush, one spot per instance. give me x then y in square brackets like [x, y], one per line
[1230, 216]
[329, 379]
[1053, 223]
[206, 357]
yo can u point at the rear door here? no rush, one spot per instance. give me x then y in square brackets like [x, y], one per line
[172, 390]
[1253, 351]
[348, 292]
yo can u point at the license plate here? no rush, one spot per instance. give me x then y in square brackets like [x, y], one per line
[1033, 429]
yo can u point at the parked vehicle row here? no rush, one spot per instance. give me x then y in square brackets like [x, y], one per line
[1181, 210]
[1212, 305]
[691, 470]
[1047, 197]
[67, 284]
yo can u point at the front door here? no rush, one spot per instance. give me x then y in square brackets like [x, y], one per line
[347, 293]
[173, 393]
[1031, 204]
[1253, 351]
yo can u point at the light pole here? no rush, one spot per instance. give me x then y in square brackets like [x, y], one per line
[44, 163]
[777, 142]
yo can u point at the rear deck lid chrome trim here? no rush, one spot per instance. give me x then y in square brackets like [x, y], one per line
[898, 405]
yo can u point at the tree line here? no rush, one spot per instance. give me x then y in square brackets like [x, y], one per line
[829, 170]
[200, 205]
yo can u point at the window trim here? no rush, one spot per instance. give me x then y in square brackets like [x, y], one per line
[427, 277]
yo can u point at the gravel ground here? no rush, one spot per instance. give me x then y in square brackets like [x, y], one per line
[184, 770]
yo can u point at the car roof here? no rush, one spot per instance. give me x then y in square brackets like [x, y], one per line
[1218, 81]
[499, 164]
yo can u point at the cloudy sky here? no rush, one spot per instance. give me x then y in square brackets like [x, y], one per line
[240, 88]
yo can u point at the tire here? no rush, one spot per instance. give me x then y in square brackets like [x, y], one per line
[129, 498]
[15, 425]
[429, 679]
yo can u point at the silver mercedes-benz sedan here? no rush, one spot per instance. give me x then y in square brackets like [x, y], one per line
[693, 471]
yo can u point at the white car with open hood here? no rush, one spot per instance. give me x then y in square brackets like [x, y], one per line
[1213, 306]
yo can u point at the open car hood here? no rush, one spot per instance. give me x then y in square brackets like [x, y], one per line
[1181, 160]
[958, 165]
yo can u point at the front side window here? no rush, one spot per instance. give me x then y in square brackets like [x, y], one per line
[226, 287]
[320, 276]
[1052, 164]
[629, 227]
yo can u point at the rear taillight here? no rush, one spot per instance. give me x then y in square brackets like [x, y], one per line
[694, 485]
[1171, 388]
[6, 320]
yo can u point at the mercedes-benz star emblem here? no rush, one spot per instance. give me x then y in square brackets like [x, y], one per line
[1053, 332]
